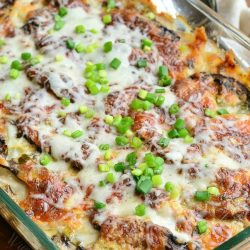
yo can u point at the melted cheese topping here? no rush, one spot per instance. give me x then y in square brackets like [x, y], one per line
[39, 104]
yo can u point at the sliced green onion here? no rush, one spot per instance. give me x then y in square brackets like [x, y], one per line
[110, 178]
[151, 97]
[120, 167]
[63, 11]
[169, 186]
[173, 134]
[59, 25]
[179, 124]
[202, 196]
[93, 31]
[83, 109]
[115, 63]
[65, 102]
[80, 29]
[156, 180]
[104, 146]
[144, 185]
[150, 15]
[136, 172]
[146, 43]
[222, 112]
[67, 132]
[140, 210]
[77, 134]
[79, 48]
[210, 113]
[109, 119]
[143, 94]
[45, 160]
[188, 139]
[163, 71]
[142, 63]
[26, 56]
[107, 19]
[163, 142]
[124, 124]
[174, 109]
[148, 172]
[70, 44]
[111, 4]
[94, 89]
[158, 169]
[107, 47]
[107, 155]
[16, 65]
[3, 59]
[89, 114]
[202, 227]
[14, 74]
[165, 81]
[58, 58]
[99, 205]
[213, 191]
[121, 140]
[103, 167]
[160, 101]
[131, 158]
[160, 91]
[2, 43]
[183, 132]
[136, 142]
[102, 183]
[7, 97]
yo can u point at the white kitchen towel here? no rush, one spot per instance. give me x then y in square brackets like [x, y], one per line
[236, 12]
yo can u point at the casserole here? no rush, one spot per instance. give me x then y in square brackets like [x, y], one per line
[56, 145]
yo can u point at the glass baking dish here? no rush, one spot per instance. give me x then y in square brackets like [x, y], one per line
[227, 37]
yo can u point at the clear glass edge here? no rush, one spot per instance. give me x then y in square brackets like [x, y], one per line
[37, 238]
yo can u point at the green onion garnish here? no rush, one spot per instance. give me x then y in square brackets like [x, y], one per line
[121, 140]
[210, 113]
[77, 134]
[156, 180]
[115, 63]
[110, 178]
[107, 19]
[107, 47]
[80, 29]
[63, 11]
[26, 56]
[179, 124]
[103, 167]
[14, 74]
[202, 196]
[144, 185]
[99, 205]
[70, 44]
[222, 112]
[111, 4]
[136, 142]
[142, 63]
[174, 109]
[120, 167]
[3, 59]
[59, 25]
[16, 65]
[163, 142]
[131, 158]
[104, 146]
[140, 210]
[202, 227]
[45, 160]
[65, 102]
[213, 191]
[173, 134]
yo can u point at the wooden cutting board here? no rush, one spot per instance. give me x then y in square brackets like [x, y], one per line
[9, 239]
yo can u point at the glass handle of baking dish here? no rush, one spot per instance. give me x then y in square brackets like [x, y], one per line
[17, 218]
[212, 15]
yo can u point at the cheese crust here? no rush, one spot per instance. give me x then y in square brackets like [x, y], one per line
[120, 127]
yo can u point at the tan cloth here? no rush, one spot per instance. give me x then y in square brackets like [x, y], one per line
[236, 12]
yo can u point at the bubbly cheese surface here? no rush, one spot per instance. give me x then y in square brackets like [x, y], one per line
[57, 110]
